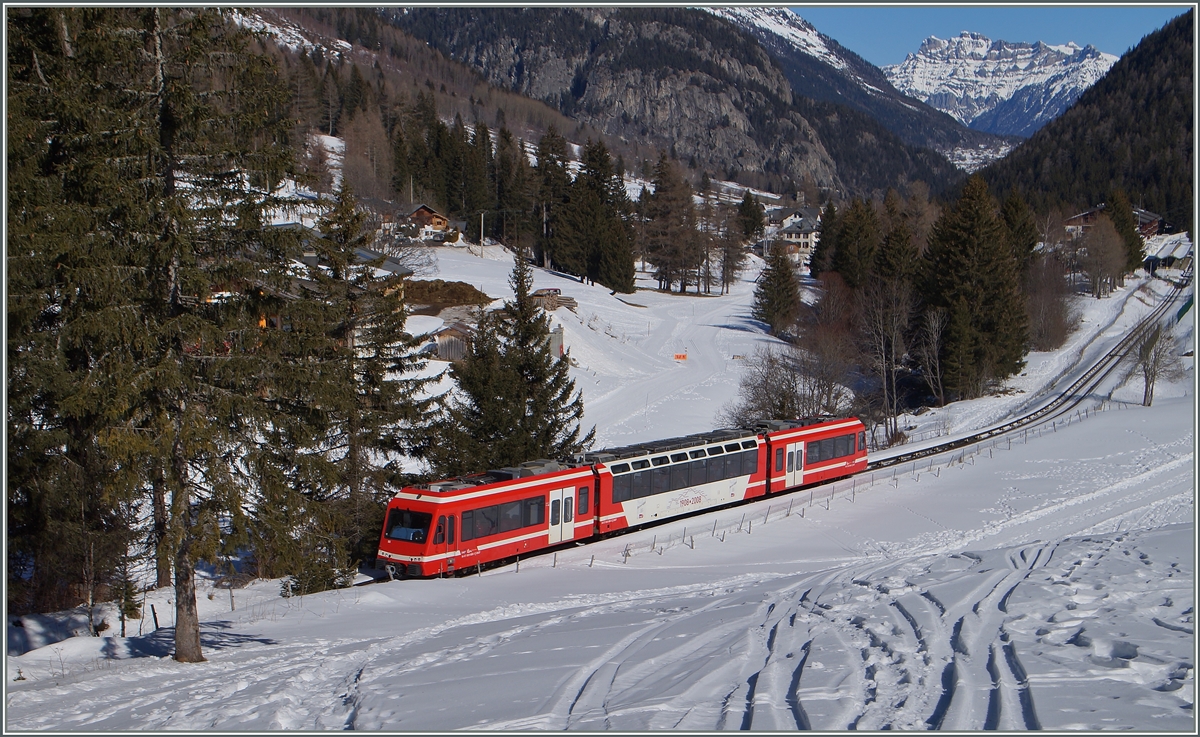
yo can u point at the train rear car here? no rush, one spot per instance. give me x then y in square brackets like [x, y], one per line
[463, 522]
[809, 451]
[650, 482]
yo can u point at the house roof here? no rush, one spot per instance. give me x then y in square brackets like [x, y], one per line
[422, 206]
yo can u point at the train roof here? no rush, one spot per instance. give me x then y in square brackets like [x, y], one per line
[691, 441]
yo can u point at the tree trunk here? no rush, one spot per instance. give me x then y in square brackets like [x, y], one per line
[162, 556]
[187, 618]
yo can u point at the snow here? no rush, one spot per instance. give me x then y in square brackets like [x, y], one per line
[970, 75]
[788, 26]
[1043, 580]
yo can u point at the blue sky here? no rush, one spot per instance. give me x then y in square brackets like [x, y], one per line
[884, 35]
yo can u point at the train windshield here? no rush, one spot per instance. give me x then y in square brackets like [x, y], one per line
[403, 524]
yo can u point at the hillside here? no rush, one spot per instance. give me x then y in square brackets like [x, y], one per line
[820, 68]
[684, 81]
[1132, 130]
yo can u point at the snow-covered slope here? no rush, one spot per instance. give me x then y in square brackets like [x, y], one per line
[999, 86]
[1043, 581]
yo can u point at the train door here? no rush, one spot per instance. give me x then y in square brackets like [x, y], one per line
[445, 540]
[795, 464]
[562, 515]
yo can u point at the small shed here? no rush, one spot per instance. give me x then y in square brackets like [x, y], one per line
[453, 341]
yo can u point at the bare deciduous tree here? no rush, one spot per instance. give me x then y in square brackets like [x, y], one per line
[885, 311]
[928, 349]
[1154, 358]
[1102, 257]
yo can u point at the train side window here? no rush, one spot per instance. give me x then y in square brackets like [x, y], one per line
[732, 448]
[450, 529]
[620, 468]
[697, 453]
[638, 465]
[733, 465]
[641, 485]
[468, 525]
[862, 441]
[749, 461]
[487, 521]
[716, 469]
[827, 449]
[583, 499]
[779, 459]
[678, 457]
[553, 512]
[660, 481]
[679, 476]
[439, 535]
[568, 513]
[715, 450]
[622, 489]
[660, 461]
[814, 452]
[510, 516]
[749, 445]
[791, 463]
[534, 511]
[697, 473]
[843, 445]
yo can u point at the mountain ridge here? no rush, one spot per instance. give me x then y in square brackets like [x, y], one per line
[1003, 87]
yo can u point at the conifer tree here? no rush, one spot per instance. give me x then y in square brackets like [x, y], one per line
[971, 270]
[552, 183]
[750, 216]
[777, 296]
[821, 259]
[1120, 212]
[1021, 229]
[513, 401]
[593, 239]
[857, 240]
[670, 230]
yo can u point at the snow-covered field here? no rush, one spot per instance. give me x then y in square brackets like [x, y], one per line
[1046, 580]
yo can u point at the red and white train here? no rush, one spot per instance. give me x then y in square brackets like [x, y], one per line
[459, 523]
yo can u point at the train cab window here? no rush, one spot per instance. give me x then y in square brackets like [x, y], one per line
[568, 513]
[554, 512]
[409, 526]
[779, 459]
[661, 461]
[791, 462]
[696, 453]
[749, 445]
[439, 535]
[679, 457]
[583, 499]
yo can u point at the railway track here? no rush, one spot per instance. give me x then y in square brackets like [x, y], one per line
[1067, 400]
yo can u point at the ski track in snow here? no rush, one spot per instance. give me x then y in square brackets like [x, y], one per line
[1042, 584]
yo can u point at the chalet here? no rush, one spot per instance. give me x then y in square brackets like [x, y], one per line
[1149, 224]
[425, 217]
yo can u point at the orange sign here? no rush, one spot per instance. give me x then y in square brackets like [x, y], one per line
[680, 356]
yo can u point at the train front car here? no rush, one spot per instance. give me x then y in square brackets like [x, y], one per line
[649, 482]
[809, 451]
[456, 524]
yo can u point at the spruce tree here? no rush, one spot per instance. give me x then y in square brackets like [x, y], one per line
[777, 296]
[971, 266]
[1120, 212]
[671, 242]
[1021, 229]
[821, 259]
[552, 183]
[750, 216]
[857, 240]
[513, 401]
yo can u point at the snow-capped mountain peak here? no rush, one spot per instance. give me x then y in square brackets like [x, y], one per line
[999, 86]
